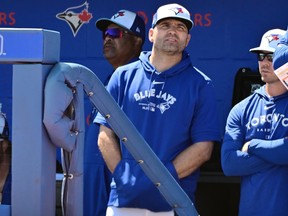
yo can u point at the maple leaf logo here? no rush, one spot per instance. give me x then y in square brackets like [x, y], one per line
[275, 37]
[180, 10]
[85, 16]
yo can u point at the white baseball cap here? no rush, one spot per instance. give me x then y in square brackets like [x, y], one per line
[269, 41]
[173, 11]
[125, 19]
[4, 130]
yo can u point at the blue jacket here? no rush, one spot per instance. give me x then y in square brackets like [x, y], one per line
[264, 169]
[171, 110]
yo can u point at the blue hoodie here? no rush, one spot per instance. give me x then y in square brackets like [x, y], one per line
[171, 110]
[262, 120]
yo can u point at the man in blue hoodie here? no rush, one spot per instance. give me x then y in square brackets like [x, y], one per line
[172, 104]
[255, 144]
[123, 38]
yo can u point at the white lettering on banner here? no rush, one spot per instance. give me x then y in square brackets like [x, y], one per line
[2, 45]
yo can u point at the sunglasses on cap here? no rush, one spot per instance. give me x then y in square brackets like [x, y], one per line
[261, 56]
[114, 33]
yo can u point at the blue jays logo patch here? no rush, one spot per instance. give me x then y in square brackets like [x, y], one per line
[76, 17]
[273, 37]
[119, 14]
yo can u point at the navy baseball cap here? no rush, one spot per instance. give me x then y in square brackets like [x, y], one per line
[173, 11]
[127, 20]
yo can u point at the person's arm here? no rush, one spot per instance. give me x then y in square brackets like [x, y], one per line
[234, 161]
[109, 146]
[192, 158]
[238, 163]
[274, 151]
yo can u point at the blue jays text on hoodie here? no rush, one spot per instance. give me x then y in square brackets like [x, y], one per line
[262, 120]
[171, 110]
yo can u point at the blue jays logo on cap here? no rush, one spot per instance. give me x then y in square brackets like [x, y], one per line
[173, 11]
[119, 14]
[177, 10]
[273, 37]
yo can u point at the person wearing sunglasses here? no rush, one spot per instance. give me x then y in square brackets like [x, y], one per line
[172, 105]
[255, 144]
[123, 37]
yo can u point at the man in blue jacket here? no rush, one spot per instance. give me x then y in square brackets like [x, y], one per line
[172, 104]
[255, 144]
[123, 38]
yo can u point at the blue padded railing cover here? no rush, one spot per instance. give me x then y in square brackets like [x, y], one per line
[71, 74]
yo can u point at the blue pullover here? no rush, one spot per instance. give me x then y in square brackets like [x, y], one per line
[263, 121]
[171, 110]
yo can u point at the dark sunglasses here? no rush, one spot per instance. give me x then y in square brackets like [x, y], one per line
[114, 33]
[261, 56]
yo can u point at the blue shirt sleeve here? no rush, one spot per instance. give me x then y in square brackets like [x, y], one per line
[237, 163]
[112, 89]
[274, 151]
[205, 125]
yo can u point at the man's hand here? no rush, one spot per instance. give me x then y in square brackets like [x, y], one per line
[245, 147]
